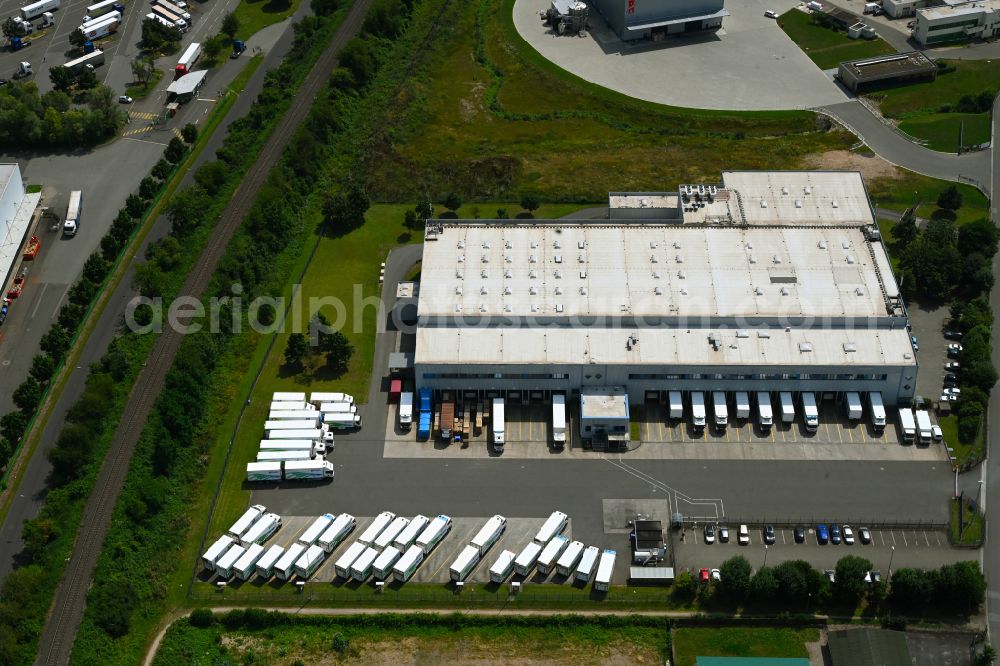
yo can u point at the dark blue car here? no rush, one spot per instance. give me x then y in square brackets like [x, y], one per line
[822, 533]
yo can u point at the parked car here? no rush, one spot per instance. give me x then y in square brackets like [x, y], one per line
[744, 535]
[848, 535]
[954, 347]
[124, 99]
[835, 534]
[936, 433]
[831, 574]
[953, 391]
[716, 575]
[913, 340]
[949, 383]
[709, 534]
[703, 575]
[950, 377]
[864, 535]
[946, 397]
[952, 334]
[822, 533]
[723, 534]
[771, 14]
[768, 534]
[952, 366]
[800, 534]
[873, 576]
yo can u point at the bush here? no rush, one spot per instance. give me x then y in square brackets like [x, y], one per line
[202, 618]
[735, 574]
[27, 395]
[850, 577]
[112, 605]
[950, 198]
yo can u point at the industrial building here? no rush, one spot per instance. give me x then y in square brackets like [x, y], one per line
[16, 209]
[767, 281]
[905, 8]
[868, 73]
[633, 20]
[957, 22]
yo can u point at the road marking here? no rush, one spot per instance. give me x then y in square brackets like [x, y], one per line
[903, 534]
[55, 310]
[38, 300]
[893, 535]
[926, 540]
[158, 143]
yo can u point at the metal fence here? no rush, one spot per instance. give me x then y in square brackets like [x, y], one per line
[811, 521]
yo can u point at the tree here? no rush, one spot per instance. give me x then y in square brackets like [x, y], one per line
[986, 657]
[360, 56]
[189, 133]
[161, 170]
[452, 202]
[202, 617]
[735, 574]
[77, 39]
[911, 588]
[230, 25]
[978, 236]
[142, 69]
[424, 210]
[764, 585]
[410, 219]
[148, 187]
[42, 367]
[502, 214]
[960, 586]
[530, 203]
[62, 79]
[174, 151]
[86, 79]
[850, 577]
[950, 198]
[905, 231]
[213, 47]
[345, 210]
[55, 342]
[296, 349]
[27, 395]
[12, 425]
[211, 176]
[338, 352]
[980, 373]
[684, 586]
[12, 28]
[112, 604]
[135, 206]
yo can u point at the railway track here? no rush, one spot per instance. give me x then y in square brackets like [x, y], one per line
[60, 630]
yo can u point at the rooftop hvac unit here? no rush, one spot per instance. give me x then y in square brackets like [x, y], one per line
[533, 290]
[807, 189]
[508, 273]
[507, 291]
[486, 245]
[784, 189]
[821, 245]
[532, 274]
[508, 245]
[461, 244]
[798, 203]
[653, 259]
[508, 259]
[581, 245]
[658, 291]
[556, 245]
[679, 258]
[763, 204]
[656, 275]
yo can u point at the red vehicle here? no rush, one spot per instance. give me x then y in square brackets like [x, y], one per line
[395, 388]
[703, 575]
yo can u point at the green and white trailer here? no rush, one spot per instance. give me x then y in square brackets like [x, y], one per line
[407, 565]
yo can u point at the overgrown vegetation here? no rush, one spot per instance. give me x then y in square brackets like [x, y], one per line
[29, 119]
[774, 642]
[825, 42]
[968, 525]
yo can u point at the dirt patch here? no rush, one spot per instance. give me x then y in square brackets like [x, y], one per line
[466, 652]
[870, 166]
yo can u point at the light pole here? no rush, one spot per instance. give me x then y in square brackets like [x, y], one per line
[892, 552]
[765, 554]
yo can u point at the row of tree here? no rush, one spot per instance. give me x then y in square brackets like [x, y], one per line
[29, 119]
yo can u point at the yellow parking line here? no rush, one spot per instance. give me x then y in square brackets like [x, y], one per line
[861, 429]
[773, 428]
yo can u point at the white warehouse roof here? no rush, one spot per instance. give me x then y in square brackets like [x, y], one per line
[801, 197]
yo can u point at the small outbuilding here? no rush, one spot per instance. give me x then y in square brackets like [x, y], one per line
[869, 73]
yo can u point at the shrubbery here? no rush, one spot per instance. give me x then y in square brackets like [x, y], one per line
[32, 120]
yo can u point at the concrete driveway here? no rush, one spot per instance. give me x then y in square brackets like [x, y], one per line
[735, 69]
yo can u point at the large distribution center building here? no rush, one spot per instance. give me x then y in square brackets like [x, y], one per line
[655, 19]
[769, 281]
[16, 209]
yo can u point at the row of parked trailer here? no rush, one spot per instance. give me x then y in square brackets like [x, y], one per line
[787, 405]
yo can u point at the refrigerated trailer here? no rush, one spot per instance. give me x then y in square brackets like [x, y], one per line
[503, 566]
[177, 11]
[247, 565]
[436, 530]
[308, 423]
[178, 22]
[489, 533]
[587, 562]
[553, 525]
[337, 532]
[361, 569]
[765, 417]
[720, 411]
[810, 413]
[877, 411]
[852, 399]
[101, 8]
[338, 408]
[371, 532]
[497, 421]
[315, 531]
[923, 425]
[697, 411]
[261, 530]
[74, 212]
[264, 471]
[284, 396]
[224, 567]
[307, 470]
[295, 454]
[391, 531]
[36, 9]
[216, 551]
[284, 568]
[606, 567]
[553, 549]
[102, 27]
[742, 405]
[341, 420]
[293, 445]
[249, 517]
[527, 558]
[464, 563]
[343, 564]
[907, 424]
[293, 415]
[559, 420]
[569, 558]
[382, 567]
[407, 565]
[310, 560]
[406, 538]
[320, 397]
[95, 59]
[314, 434]
[265, 565]
[291, 406]
[787, 406]
[676, 401]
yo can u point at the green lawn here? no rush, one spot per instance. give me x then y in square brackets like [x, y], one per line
[969, 78]
[825, 47]
[256, 14]
[690, 643]
[970, 531]
[900, 193]
[139, 91]
[941, 130]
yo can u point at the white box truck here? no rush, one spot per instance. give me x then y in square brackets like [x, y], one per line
[553, 549]
[382, 567]
[437, 530]
[74, 211]
[261, 530]
[293, 415]
[338, 408]
[489, 533]
[391, 531]
[308, 470]
[552, 526]
[94, 59]
[606, 567]
[503, 566]
[284, 396]
[319, 397]
[907, 424]
[292, 406]
[216, 551]
[720, 411]
[361, 569]
[295, 424]
[293, 445]
[405, 539]
[499, 426]
[265, 565]
[923, 425]
[877, 411]
[36, 9]
[787, 407]
[279, 456]
[284, 568]
[371, 532]
[697, 411]
[676, 400]
[407, 565]
[464, 563]
[559, 420]
[249, 517]
[246, 566]
[264, 471]
[316, 529]
[810, 413]
[342, 421]
[765, 417]
[343, 564]
[406, 411]
[315, 434]
[224, 567]
[310, 560]
[336, 532]
[852, 399]
[527, 558]
[569, 558]
[742, 405]
[587, 562]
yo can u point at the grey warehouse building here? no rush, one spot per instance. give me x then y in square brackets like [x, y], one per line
[768, 281]
[656, 19]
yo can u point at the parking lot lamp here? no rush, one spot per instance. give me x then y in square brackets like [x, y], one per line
[765, 554]
[892, 551]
